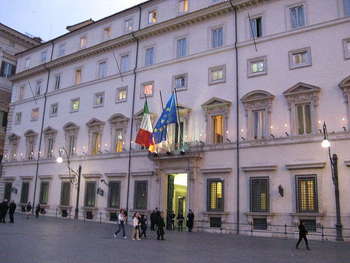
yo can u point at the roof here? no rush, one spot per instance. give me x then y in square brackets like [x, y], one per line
[31, 41]
[80, 25]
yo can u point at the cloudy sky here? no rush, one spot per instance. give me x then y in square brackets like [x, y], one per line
[49, 18]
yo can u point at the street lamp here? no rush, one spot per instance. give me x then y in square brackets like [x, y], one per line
[334, 168]
[77, 175]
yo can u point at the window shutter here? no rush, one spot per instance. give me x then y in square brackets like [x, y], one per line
[13, 70]
[4, 119]
[2, 71]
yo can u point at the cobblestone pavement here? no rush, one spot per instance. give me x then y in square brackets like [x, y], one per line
[51, 240]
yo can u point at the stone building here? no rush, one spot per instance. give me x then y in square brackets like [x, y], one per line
[255, 82]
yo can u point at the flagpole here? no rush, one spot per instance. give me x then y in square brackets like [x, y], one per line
[161, 99]
[178, 127]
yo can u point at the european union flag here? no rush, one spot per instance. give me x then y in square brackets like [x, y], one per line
[169, 115]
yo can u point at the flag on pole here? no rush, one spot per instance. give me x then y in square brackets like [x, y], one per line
[144, 136]
[169, 115]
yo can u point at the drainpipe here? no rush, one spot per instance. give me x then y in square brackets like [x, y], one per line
[237, 118]
[133, 110]
[42, 127]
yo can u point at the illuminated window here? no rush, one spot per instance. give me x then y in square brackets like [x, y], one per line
[183, 6]
[77, 76]
[259, 194]
[152, 17]
[147, 89]
[83, 42]
[44, 193]
[303, 112]
[121, 94]
[99, 99]
[217, 37]
[300, 58]
[297, 16]
[35, 114]
[119, 140]
[218, 129]
[128, 25]
[140, 195]
[217, 75]
[53, 110]
[75, 105]
[95, 143]
[107, 32]
[215, 194]
[306, 194]
[102, 70]
[257, 66]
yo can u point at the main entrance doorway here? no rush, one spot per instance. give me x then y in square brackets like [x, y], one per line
[177, 198]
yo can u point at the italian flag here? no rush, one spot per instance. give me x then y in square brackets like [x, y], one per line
[144, 136]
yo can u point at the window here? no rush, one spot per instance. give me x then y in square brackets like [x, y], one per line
[7, 69]
[300, 58]
[215, 195]
[71, 134]
[260, 223]
[347, 7]
[57, 81]
[218, 129]
[107, 32]
[346, 43]
[128, 25]
[95, 131]
[83, 42]
[306, 194]
[152, 17]
[257, 66]
[124, 64]
[99, 99]
[140, 195]
[217, 75]
[21, 93]
[183, 6]
[65, 194]
[217, 37]
[71, 144]
[304, 118]
[102, 70]
[18, 117]
[8, 191]
[3, 119]
[27, 63]
[181, 47]
[119, 140]
[259, 124]
[35, 114]
[180, 82]
[38, 88]
[95, 143]
[149, 57]
[61, 49]
[114, 195]
[24, 192]
[90, 194]
[43, 57]
[147, 89]
[259, 194]
[121, 94]
[77, 79]
[256, 27]
[297, 16]
[30, 146]
[49, 147]
[13, 144]
[44, 193]
[75, 105]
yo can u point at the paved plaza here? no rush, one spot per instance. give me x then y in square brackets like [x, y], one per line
[51, 240]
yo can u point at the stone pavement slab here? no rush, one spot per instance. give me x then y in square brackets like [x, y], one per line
[51, 240]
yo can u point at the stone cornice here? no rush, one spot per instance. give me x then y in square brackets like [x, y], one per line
[115, 175]
[216, 170]
[143, 173]
[92, 176]
[45, 177]
[303, 166]
[259, 168]
[26, 178]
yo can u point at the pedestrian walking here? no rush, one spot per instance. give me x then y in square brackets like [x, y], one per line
[3, 211]
[143, 221]
[121, 223]
[160, 227]
[28, 209]
[302, 235]
[12, 209]
[136, 226]
[37, 210]
[153, 219]
[180, 220]
[190, 220]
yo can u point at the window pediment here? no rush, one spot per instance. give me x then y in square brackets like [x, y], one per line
[70, 126]
[257, 99]
[183, 110]
[139, 115]
[95, 123]
[118, 118]
[301, 93]
[215, 102]
[345, 86]
[13, 137]
[30, 133]
[50, 131]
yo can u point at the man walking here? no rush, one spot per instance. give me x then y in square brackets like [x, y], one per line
[12, 209]
[121, 222]
[190, 220]
[3, 210]
[160, 227]
[302, 235]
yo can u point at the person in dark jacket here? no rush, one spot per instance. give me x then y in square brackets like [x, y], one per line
[12, 209]
[3, 211]
[302, 235]
[153, 219]
[28, 209]
[37, 210]
[180, 220]
[143, 221]
[190, 220]
[160, 227]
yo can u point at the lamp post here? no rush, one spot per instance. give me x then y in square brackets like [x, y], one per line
[334, 168]
[77, 175]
